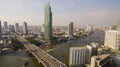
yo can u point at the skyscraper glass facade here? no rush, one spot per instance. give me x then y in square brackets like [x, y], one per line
[48, 22]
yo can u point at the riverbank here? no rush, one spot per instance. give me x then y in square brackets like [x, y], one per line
[18, 59]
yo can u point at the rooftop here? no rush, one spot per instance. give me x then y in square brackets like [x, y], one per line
[101, 57]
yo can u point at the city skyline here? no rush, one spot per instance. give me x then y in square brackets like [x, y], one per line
[80, 12]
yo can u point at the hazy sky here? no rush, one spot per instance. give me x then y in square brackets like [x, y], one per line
[97, 12]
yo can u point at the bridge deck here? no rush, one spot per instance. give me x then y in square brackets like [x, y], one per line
[42, 56]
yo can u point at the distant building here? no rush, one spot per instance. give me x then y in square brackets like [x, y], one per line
[42, 28]
[16, 27]
[80, 55]
[112, 39]
[25, 31]
[11, 28]
[0, 31]
[48, 22]
[88, 28]
[6, 27]
[101, 61]
[70, 31]
[118, 26]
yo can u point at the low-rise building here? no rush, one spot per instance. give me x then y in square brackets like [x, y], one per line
[101, 61]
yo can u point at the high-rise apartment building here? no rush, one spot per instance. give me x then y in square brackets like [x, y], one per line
[16, 27]
[6, 27]
[25, 31]
[81, 55]
[70, 31]
[78, 55]
[48, 22]
[112, 39]
[11, 28]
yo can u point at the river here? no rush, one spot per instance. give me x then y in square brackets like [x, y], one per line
[61, 52]
[17, 59]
